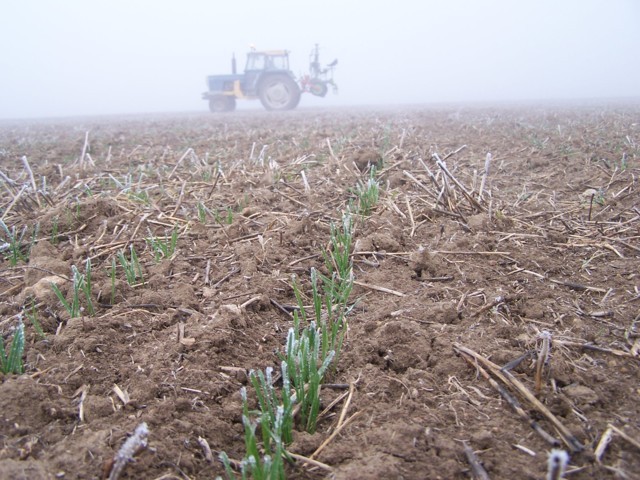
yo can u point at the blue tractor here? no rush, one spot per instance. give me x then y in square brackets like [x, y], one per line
[267, 76]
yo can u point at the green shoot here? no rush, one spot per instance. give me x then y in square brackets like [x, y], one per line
[269, 402]
[164, 247]
[339, 258]
[269, 466]
[141, 196]
[131, 267]
[112, 275]
[332, 320]
[54, 231]
[12, 244]
[12, 363]
[202, 213]
[81, 286]
[32, 315]
[86, 286]
[306, 369]
[368, 194]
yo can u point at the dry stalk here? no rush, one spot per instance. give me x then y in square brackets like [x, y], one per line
[206, 450]
[557, 464]
[508, 379]
[380, 289]
[485, 174]
[543, 358]
[443, 167]
[85, 146]
[511, 401]
[133, 445]
[479, 473]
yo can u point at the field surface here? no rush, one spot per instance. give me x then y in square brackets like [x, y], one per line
[493, 316]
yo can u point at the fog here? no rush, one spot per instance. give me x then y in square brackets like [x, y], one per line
[74, 57]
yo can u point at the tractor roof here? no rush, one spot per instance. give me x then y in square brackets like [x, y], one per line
[271, 52]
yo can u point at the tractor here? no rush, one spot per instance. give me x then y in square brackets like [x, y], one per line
[267, 77]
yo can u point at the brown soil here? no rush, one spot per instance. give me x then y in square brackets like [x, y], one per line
[551, 248]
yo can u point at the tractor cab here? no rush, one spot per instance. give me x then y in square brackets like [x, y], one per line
[261, 63]
[268, 60]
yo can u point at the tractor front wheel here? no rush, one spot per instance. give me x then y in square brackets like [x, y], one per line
[279, 92]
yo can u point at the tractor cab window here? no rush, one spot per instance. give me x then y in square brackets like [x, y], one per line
[278, 62]
[256, 61]
[262, 61]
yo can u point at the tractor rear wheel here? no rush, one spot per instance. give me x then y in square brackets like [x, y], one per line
[222, 103]
[279, 92]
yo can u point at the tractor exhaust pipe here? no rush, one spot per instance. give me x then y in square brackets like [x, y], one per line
[233, 64]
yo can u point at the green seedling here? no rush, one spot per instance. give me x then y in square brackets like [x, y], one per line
[338, 259]
[11, 245]
[333, 304]
[368, 194]
[141, 196]
[164, 247]
[81, 286]
[131, 267]
[270, 401]
[257, 465]
[202, 213]
[12, 363]
[32, 315]
[112, 275]
[54, 231]
[306, 369]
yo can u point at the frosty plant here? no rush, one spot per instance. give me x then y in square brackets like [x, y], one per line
[307, 369]
[81, 287]
[257, 465]
[12, 244]
[368, 194]
[270, 402]
[12, 363]
[337, 286]
[131, 266]
[338, 259]
[164, 247]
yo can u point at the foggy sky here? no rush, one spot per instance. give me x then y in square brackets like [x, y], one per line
[74, 57]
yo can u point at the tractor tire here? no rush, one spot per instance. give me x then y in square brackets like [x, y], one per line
[318, 88]
[222, 103]
[279, 92]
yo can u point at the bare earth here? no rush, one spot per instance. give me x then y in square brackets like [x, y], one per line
[451, 286]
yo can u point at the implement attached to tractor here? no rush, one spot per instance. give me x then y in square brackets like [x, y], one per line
[267, 77]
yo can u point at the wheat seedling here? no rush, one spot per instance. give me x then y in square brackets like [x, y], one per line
[12, 363]
[112, 275]
[202, 213]
[270, 465]
[164, 247]
[306, 369]
[368, 194]
[131, 267]
[12, 243]
[81, 284]
[32, 315]
[270, 402]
